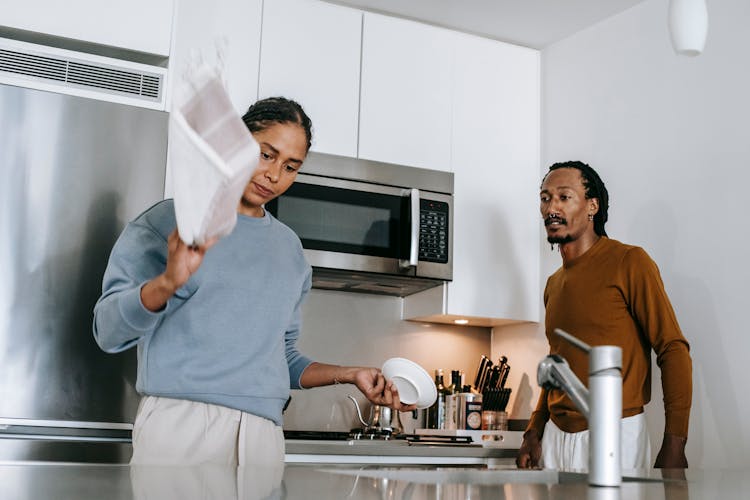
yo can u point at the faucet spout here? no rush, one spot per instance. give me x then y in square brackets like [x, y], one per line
[554, 372]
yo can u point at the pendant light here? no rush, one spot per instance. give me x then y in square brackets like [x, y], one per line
[688, 26]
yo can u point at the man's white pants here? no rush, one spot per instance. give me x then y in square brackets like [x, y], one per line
[180, 432]
[570, 451]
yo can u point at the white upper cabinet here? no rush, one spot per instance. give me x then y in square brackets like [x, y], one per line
[495, 159]
[202, 29]
[310, 52]
[140, 25]
[405, 105]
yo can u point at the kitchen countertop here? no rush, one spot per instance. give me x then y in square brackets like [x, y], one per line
[29, 480]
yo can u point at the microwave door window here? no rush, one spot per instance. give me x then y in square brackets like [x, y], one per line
[342, 220]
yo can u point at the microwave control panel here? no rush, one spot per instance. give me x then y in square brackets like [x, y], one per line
[433, 231]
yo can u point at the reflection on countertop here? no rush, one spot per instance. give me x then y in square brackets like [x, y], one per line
[35, 480]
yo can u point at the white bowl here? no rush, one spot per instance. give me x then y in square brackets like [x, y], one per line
[414, 384]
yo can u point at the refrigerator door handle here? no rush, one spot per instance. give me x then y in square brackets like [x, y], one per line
[67, 424]
[59, 438]
[64, 430]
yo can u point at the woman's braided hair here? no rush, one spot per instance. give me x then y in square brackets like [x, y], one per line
[594, 187]
[271, 110]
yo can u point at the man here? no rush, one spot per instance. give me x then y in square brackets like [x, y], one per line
[605, 293]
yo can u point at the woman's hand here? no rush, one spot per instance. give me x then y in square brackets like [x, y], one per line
[368, 380]
[378, 390]
[182, 262]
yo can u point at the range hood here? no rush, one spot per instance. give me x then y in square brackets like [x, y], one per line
[373, 283]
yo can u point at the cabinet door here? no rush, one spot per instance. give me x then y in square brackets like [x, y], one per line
[234, 28]
[405, 104]
[141, 25]
[495, 158]
[310, 52]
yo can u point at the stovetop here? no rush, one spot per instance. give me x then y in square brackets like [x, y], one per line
[317, 435]
[377, 435]
[354, 434]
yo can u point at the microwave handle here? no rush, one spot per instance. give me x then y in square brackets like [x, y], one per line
[413, 194]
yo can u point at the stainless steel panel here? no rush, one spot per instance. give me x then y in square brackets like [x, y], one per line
[73, 172]
[341, 167]
[348, 184]
[355, 262]
[72, 451]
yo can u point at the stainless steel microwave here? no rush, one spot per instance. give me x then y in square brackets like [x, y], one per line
[371, 227]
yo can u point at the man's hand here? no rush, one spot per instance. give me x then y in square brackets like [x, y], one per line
[672, 453]
[530, 451]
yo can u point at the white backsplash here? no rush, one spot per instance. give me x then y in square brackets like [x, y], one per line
[365, 330]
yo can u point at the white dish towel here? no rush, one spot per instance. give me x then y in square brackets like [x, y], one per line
[212, 157]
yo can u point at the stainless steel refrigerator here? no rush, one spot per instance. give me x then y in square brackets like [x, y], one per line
[73, 171]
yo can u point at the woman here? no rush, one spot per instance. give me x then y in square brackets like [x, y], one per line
[216, 329]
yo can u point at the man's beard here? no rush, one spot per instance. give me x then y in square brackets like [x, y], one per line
[559, 239]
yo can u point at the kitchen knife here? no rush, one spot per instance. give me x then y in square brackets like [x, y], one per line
[494, 377]
[480, 372]
[504, 400]
[485, 375]
[504, 376]
[492, 397]
[502, 362]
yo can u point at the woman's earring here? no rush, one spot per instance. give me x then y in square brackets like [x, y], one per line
[591, 216]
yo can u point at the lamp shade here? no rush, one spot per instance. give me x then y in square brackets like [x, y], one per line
[688, 26]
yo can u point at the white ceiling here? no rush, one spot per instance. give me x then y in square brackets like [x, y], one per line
[532, 23]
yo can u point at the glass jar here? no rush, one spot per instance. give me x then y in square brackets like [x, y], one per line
[494, 420]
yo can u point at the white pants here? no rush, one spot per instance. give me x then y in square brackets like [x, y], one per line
[570, 451]
[180, 432]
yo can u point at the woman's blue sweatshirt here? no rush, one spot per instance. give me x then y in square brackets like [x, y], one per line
[229, 335]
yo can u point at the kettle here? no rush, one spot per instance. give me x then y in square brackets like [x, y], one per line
[382, 419]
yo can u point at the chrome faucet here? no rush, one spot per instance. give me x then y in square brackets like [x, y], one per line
[601, 403]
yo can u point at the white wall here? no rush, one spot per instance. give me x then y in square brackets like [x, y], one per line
[365, 330]
[670, 137]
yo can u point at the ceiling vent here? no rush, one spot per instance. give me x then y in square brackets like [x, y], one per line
[85, 75]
